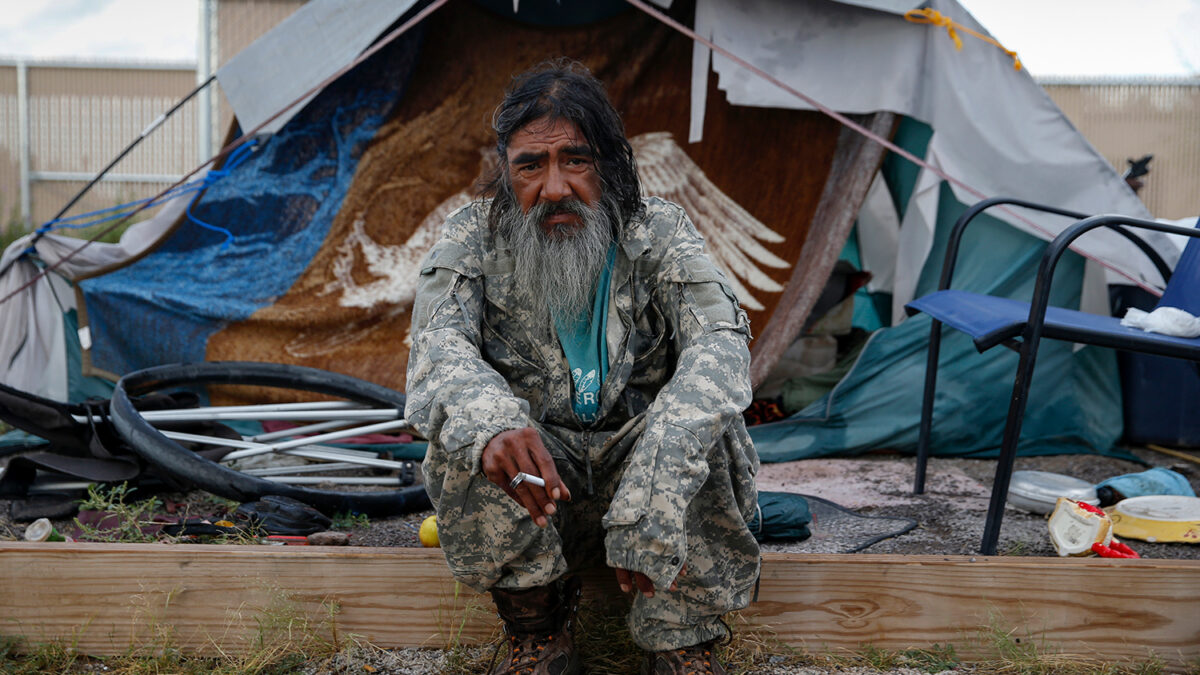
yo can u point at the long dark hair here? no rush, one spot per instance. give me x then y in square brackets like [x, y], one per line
[565, 89]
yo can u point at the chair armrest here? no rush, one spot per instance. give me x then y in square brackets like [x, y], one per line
[1055, 249]
[965, 219]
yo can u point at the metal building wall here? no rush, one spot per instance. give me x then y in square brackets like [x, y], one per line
[80, 116]
[1126, 120]
[10, 161]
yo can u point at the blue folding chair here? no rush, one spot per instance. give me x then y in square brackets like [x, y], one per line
[991, 321]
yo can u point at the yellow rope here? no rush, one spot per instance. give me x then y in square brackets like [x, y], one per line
[1173, 453]
[936, 18]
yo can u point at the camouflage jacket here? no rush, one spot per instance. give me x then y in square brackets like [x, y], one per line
[677, 383]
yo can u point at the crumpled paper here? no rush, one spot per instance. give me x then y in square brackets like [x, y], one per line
[1164, 320]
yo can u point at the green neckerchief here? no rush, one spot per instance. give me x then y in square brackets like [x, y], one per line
[583, 341]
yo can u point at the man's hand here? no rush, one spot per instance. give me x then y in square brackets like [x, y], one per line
[511, 452]
[627, 580]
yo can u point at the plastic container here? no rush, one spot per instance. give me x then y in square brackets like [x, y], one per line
[1158, 518]
[1038, 491]
[1073, 530]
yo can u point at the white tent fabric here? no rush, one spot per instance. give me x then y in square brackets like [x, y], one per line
[878, 236]
[33, 354]
[994, 128]
[313, 43]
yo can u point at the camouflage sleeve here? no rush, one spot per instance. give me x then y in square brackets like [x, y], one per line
[455, 398]
[707, 392]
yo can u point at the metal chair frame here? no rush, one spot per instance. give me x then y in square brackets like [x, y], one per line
[1024, 337]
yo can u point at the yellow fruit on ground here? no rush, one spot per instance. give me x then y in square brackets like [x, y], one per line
[428, 533]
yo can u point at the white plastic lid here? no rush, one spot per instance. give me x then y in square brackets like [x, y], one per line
[1044, 486]
[1163, 508]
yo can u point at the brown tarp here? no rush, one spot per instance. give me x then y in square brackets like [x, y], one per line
[774, 163]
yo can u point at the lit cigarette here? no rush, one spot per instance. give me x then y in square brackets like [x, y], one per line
[523, 477]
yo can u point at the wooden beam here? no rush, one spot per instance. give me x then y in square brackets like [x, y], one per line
[106, 597]
[854, 167]
[1088, 606]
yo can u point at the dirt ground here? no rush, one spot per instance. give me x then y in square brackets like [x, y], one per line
[950, 515]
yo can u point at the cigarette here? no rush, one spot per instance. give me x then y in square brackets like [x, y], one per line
[523, 477]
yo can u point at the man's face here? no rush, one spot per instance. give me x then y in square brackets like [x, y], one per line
[550, 162]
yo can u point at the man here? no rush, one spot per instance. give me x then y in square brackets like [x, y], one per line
[571, 331]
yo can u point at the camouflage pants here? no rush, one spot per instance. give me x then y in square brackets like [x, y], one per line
[490, 540]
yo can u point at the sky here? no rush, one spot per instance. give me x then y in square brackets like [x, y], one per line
[1096, 38]
[155, 30]
[1054, 38]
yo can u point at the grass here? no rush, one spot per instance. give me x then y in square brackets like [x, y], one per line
[461, 658]
[285, 638]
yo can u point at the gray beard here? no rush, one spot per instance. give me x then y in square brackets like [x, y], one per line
[559, 274]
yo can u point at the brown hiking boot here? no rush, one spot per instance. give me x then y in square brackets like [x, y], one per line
[695, 660]
[539, 623]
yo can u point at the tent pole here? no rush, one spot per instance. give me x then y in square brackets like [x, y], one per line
[854, 167]
[384, 41]
[129, 148]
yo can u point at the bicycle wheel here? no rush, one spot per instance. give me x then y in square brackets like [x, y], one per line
[150, 435]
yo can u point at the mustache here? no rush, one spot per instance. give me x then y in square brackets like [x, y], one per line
[543, 210]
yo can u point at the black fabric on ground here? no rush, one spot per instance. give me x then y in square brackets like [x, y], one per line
[836, 529]
[275, 514]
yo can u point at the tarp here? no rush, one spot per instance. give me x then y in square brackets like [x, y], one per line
[278, 206]
[330, 216]
[306, 48]
[995, 129]
[37, 336]
[1074, 401]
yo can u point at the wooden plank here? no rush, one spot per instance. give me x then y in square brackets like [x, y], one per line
[1113, 609]
[854, 167]
[106, 597]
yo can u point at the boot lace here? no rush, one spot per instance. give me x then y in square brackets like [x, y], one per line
[697, 660]
[524, 653]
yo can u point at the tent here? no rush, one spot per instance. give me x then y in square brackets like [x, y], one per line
[329, 214]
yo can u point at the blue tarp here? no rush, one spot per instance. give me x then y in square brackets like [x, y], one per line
[163, 308]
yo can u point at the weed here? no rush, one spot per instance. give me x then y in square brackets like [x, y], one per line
[13, 228]
[1018, 652]
[1016, 548]
[287, 636]
[877, 658]
[933, 660]
[350, 520]
[461, 658]
[125, 521]
[753, 644]
[604, 640]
